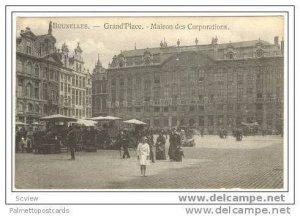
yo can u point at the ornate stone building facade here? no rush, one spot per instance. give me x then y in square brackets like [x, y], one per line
[75, 84]
[209, 86]
[37, 81]
[47, 77]
[99, 90]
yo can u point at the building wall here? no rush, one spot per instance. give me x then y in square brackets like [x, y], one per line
[75, 85]
[99, 90]
[191, 88]
[36, 78]
[48, 81]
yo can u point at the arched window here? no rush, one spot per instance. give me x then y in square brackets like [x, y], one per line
[29, 90]
[29, 67]
[37, 70]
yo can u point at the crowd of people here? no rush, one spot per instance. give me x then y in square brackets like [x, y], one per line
[55, 138]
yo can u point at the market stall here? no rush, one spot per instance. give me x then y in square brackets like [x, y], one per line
[54, 137]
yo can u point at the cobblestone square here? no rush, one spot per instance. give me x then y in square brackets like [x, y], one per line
[214, 163]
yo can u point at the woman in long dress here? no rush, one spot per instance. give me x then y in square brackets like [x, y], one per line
[143, 154]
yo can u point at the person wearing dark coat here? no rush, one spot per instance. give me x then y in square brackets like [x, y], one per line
[124, 142]
[178, 152]
[72, 139]
[175, 141]
[160, 147]
[151, 143]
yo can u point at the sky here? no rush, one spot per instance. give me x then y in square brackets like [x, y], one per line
[107, 42]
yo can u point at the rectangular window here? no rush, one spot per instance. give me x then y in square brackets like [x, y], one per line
[201, 121]
[240, 92]
[201, 108]
[259, 95]
[80, 98]
[259, 106]
[210, 120]
[249, 90]
[45, 91]
[73, 96]
[76, 100]
[156, 122]
[220, 107]
[36, 90]
[121, 82]
[230, 107]
[51, 75]
[211, 98]
[79, 82]
[156, 79]
[83, 82]
[174, 121]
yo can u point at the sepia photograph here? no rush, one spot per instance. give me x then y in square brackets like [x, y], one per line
[149, 103]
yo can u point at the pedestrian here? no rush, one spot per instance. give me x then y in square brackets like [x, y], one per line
[28, 144]
[124, 142]
[179, 154]
[174, 143]
[239, 135]
[150, 140]
[72, 139]
[160, 147]
[22, 144]
[143, 154]
[172, 147]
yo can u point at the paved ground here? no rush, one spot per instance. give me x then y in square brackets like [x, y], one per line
[256, 162]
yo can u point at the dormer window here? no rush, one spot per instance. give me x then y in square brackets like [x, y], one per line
[121, 60]
[230, 55]
[259, 53]
[147, 57]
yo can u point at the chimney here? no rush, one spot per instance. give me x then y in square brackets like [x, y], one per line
[50, 28]
[282, 46]
[276, 40]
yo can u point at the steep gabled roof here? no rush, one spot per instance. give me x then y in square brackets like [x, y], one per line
[53, 57]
